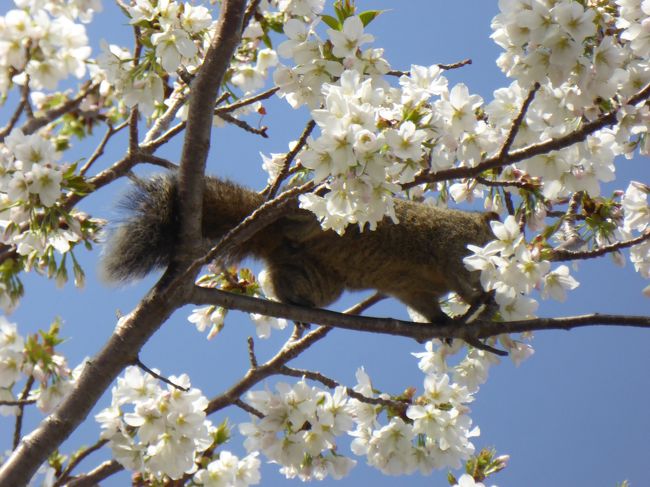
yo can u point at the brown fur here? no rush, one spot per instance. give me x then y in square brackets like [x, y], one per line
[416, 261]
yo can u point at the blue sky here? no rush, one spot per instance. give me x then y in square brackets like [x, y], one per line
[574, 414]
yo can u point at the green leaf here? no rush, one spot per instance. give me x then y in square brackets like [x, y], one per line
[331, 22]
[369, 15]
[267, 41]
[277, 27]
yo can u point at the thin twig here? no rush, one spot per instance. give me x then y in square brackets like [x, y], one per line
[506, 184]
[288, 159]
[572, 238]
[156, 161]
[251, 352]
[559, 255]
[178, 98]
[222, 98]
[156, 375]
[250, 13]
[476, 343]
[24, 100]
[516, 124]
[248, 408]
[36, 123]
[96, 475]
[244, 125]
[166, 137]
[245, 101]
[459, 64]
[99, 151]
[331, 383]
[263, 216]
[64, 476]
[18, 402]
[18, 425]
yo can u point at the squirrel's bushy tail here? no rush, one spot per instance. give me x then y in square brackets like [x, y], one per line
[145, 239]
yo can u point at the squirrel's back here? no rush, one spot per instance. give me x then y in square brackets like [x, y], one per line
[416, 260]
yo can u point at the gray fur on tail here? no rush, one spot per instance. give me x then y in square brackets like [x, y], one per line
[145, 238]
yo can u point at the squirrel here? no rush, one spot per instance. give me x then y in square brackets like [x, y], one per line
[416, 260]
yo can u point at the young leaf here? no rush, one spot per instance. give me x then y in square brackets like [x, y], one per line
[331, 22]
[369, 15]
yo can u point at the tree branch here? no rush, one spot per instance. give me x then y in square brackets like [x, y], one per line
[21, 409]
[532, 150]
[164, 138]
[459, 64]
[390, 326]
[203, 95]
[65, 475]
[22, 104]
[245, 101]
[486, 329]
[288, 159]
[135, 329]
[162, 123]
[226, 117]
[516, 124]
[260, 218]
[92, 478]
[331, 383]
[99, 151]
[34, 124]
[563, 255]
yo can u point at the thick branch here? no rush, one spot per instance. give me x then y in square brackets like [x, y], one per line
[390, 326]
[203, 95]
[134, 330]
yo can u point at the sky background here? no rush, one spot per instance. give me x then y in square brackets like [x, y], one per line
[574, 414]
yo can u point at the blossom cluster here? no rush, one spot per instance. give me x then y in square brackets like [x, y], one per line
[178, 33]
[156, 430]
[31, 183]
[12, 348]
[299, 424]
[228, 470]
[512, 271]
[434, 432]
[20, 358]
[299, 429]
[43, 49]
[637, 219]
